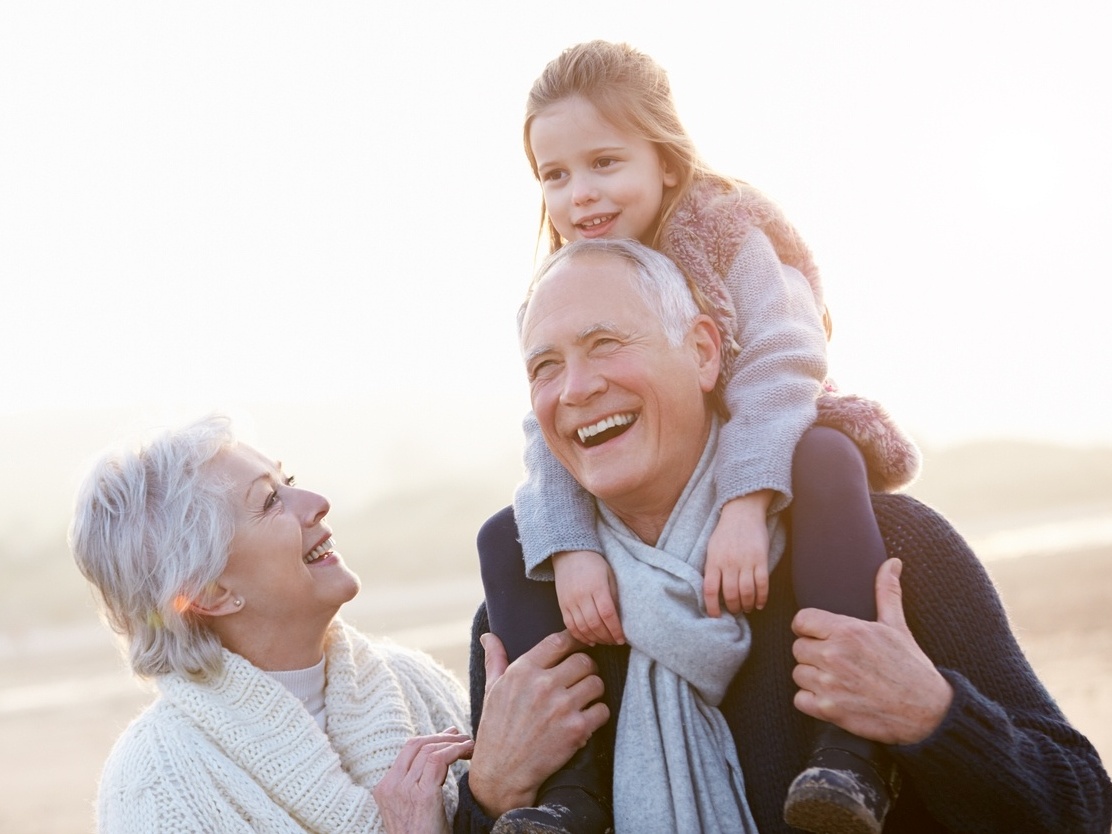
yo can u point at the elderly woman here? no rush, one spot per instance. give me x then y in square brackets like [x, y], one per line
[272, 714]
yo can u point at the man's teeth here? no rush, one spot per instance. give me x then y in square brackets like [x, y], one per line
[320, 550]
[587, 432]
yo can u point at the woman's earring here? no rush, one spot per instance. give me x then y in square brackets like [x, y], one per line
[238, 602]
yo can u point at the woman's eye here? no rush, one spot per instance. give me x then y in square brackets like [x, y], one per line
[270, 499]
[290, 480]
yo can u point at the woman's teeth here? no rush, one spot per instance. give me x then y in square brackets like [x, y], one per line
[320, 550]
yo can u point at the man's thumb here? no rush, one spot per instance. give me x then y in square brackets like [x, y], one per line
[889, 594]
[494, 660]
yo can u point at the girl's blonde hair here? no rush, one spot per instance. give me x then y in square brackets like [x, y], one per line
[631, 91]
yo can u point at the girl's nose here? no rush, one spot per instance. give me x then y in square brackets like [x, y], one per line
[584, 192]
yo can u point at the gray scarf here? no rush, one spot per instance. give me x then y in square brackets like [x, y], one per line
[675, 762]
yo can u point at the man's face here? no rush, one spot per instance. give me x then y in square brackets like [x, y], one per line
[622, 409]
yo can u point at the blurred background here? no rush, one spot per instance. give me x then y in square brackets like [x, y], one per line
[319, 217]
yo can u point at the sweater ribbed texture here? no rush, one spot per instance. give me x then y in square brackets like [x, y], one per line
[238, 752]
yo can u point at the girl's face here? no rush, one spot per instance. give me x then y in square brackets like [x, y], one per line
[598, 181]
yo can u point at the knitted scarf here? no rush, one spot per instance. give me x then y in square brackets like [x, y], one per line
[675, 763]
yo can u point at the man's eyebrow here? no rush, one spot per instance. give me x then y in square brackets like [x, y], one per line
[584, 334]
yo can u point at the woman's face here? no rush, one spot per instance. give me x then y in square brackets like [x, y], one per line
[281, 565]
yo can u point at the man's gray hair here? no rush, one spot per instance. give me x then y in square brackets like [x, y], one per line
[152, 529]
[660, 282]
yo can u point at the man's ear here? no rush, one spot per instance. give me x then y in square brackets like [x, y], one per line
[216, 601]
[707, 341]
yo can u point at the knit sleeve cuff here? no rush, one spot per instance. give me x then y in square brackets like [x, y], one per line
[470, 818]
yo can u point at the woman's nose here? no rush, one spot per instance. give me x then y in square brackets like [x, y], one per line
[313, 507]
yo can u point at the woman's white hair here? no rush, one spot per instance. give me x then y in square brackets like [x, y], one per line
[152, 529]
[660, 283]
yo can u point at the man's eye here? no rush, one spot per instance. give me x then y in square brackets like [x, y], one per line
[543, 369]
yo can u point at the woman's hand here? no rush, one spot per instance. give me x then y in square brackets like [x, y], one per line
[409, 796]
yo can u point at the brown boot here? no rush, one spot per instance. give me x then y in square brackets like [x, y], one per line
[848, 786]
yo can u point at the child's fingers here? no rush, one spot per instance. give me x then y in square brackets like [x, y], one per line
[760, 576]
[611, 622]
[712, 584]
[733, 593]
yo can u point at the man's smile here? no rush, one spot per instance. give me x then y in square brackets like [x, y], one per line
[605, 429]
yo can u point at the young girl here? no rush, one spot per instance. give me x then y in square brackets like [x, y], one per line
[605, 142]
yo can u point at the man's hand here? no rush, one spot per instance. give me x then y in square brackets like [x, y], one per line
[871, 679]
[737, 556]
[587, 591]
[409, 796]
[537, 711]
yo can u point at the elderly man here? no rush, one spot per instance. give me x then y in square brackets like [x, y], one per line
[938, 678]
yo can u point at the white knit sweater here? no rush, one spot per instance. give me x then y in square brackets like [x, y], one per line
[240, 753]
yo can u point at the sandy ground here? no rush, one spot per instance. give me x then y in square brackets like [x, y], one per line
[64, 696]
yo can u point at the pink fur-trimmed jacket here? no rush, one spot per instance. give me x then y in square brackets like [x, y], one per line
[704, 236]
[759, 282]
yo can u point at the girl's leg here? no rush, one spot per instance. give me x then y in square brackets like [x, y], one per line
[849, 783]
[522, 611]
[836, 543]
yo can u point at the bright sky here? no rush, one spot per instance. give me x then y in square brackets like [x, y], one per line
[325, 207]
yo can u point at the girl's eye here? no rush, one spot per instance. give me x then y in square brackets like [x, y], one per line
[552, 176]
[605, 162]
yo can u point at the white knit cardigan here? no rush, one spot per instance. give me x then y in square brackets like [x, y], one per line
[238, 752]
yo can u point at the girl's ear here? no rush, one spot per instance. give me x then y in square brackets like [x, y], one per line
[216, 601]
[670, 176]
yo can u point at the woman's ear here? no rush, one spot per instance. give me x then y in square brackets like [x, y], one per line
[216, 601]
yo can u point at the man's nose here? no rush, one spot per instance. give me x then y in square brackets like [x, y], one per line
[581, 382]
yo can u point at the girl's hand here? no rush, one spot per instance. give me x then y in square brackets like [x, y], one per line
[587, 592]
[737, 556]
[409, 796]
